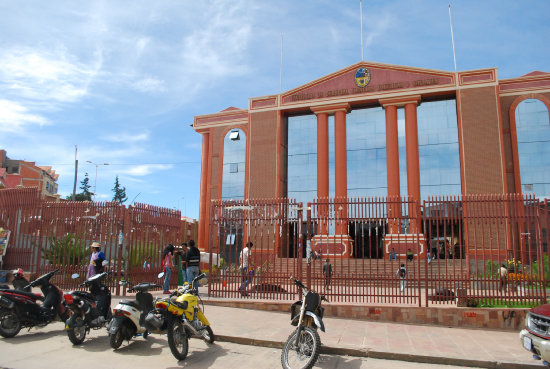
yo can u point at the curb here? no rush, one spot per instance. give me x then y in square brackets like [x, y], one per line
[389, 355]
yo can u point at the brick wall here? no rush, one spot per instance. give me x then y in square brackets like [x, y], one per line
[481, 141]
[498, 319]
[263, 154]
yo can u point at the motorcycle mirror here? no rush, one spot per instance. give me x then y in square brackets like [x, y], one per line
[160, 275]
[75, 276]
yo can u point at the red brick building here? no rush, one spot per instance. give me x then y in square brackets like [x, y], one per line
[20, 173]
[376, 129]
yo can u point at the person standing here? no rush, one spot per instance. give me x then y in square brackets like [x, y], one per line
[327, 272]
[193, 259]
[402, 275]
[245, 262]
[182, 271]
[167, 266]
[503, 274]
[96, 260]
[147, 264]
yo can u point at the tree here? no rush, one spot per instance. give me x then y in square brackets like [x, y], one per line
[120, 192]
[85, 186]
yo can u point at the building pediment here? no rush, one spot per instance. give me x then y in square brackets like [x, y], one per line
[367, 78]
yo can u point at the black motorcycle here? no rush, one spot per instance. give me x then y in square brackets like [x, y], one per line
[21, 309]
[302, 347]
[91, 310]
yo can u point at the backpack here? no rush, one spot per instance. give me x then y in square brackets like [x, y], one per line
[402, 272]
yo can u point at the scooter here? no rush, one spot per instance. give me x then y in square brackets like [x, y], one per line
[188, 320]
[21, 309]
[129, 315]
[301, 349]
[91, 310]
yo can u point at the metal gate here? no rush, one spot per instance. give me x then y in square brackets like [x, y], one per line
[451, 247]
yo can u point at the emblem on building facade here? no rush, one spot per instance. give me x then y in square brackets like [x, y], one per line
[362, 77]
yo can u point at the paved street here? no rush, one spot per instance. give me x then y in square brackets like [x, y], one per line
[49, 347]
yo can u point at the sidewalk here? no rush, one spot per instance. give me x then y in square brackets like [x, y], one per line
[407, 342]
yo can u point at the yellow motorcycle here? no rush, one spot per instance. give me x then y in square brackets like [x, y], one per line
[182, 317]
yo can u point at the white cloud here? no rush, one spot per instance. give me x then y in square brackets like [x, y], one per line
[378, 27]
[42, 75]
[149, 85]
[217, 47]
[146, 169]
[127, 138]
[14, 117]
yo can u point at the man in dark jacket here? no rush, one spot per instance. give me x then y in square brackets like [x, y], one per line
[193, 258]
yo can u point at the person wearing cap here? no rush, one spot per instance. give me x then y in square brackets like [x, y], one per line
[96, 260]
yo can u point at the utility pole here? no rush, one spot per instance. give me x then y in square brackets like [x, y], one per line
[75, 172]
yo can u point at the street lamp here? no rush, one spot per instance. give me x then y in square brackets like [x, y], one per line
[95, 180]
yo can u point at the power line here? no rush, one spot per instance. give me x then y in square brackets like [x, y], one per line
[134, 164]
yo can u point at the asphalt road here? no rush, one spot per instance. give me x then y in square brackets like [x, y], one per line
[49, 347]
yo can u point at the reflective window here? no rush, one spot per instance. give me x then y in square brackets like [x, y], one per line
[533, 133]
[234, 159]
[438, 153]
[302, 158]
[366, 152]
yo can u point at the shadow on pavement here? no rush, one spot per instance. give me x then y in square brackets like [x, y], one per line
[201, 355]
[25, 336]
[141, 346]
[332, 361]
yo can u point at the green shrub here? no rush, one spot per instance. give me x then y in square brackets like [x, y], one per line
[535, 267]
[68, 250]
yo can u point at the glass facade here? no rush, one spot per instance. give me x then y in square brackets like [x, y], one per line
[533, 134]
[302, 158]
[366, 152]
[438, 153]
[439, 158]
[234, 162]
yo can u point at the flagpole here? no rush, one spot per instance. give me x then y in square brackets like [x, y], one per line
[361, 11]
[281, 72]
[452, 35]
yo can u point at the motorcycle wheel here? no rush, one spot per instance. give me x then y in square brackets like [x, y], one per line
[208, 335]
[115, 340]
[78, 333]
[178, 340]
[9, 323]
[306, 353]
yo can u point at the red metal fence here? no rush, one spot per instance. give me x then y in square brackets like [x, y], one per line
[47, 235]
[453, 249]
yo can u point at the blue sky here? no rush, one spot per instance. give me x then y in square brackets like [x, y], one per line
[124, 79]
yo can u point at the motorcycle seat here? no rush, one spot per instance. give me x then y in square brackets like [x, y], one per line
[33, 296]
[130, 303]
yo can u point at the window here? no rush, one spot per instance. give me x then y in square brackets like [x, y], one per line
[533, 135]
[366, 152]
[234, 156]
[438, 153]
[302, 158]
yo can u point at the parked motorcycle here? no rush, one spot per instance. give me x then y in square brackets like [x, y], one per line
[19, 281]
[301, 349]
[91, 310]
[21, 309]
[181, 317]
[129, 315]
